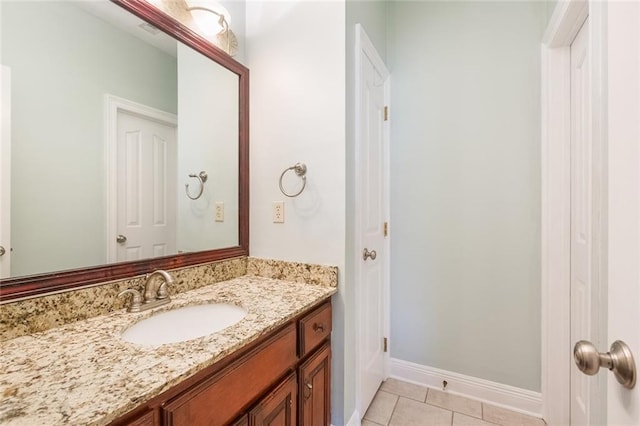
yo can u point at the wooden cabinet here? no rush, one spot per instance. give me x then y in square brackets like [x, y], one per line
[242, 421]
[145, 419]
[220, 398]
[315, 389]
[279, 408]
[281, 379]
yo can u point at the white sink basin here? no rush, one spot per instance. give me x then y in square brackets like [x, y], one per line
[182, 324]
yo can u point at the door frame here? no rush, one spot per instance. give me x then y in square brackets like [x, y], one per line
[557, 362]
[5, 169]
[112, 106]
[623, 178]
[363, 45]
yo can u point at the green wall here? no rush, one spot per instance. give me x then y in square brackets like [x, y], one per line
[208, 132]
[465, 187]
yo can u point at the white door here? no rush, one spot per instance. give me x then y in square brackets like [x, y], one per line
[584, 303]
[623, 100]
[5, 173]
[598, 168]
[372, 260]
[146, 188]
[621, 300]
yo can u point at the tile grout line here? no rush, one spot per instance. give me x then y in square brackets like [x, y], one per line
[457, 411]
[394, 409]
[451, 410]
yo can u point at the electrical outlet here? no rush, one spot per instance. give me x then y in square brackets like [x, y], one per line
[219, 212]
[278, 212]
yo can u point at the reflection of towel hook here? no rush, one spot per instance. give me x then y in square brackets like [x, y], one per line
[202, 178]
[301, 170]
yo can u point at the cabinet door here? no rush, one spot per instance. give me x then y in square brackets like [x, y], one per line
[147, 418]
[242, 421]
[144, 420]
[315, 385]
[279, 407]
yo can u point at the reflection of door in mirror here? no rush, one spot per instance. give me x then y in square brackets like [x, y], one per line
[146, 187]
[63, 64]
[141, 149]
[5, 172]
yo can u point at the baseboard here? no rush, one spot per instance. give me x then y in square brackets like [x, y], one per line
[355, 419]
[516, 399]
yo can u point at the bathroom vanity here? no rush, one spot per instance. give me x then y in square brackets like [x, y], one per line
[282, 377]
[273, 365]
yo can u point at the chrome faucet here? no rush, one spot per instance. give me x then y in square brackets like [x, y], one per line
[155, 292]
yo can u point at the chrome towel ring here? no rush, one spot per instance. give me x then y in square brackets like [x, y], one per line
[202, 178]
[301, 170]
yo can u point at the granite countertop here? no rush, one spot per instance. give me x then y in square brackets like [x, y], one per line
[83, 373]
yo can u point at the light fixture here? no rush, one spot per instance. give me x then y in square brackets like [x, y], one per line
[213, 21]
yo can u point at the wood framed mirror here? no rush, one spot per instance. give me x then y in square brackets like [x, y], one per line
[59, 277]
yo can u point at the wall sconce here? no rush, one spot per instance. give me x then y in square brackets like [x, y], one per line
[213, 20]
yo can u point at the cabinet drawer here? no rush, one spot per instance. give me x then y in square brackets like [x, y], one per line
[315, 328]
[222, 397]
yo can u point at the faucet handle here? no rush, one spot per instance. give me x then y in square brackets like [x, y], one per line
[136, 299]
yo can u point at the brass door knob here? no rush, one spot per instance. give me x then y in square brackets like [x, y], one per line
[369, 254]
[619, 359]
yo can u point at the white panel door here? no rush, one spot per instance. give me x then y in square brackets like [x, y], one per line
[5, 173]
[146, 188]
[372, 213]
[623, 100]
[583, 308]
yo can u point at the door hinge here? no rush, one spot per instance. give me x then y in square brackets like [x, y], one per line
[384, 344]
[386, 113]
[386, 229]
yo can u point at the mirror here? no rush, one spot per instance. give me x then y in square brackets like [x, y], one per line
[129, 148]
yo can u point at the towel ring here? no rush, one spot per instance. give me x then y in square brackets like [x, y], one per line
[301, 170]
[202, 178]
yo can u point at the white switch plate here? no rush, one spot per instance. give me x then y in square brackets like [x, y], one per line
[219, 212]
[278, 212]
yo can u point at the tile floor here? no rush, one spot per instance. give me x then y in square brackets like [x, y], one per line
[399, 403]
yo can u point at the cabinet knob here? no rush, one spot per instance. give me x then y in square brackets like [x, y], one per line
[308, 389]
[318, 328]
